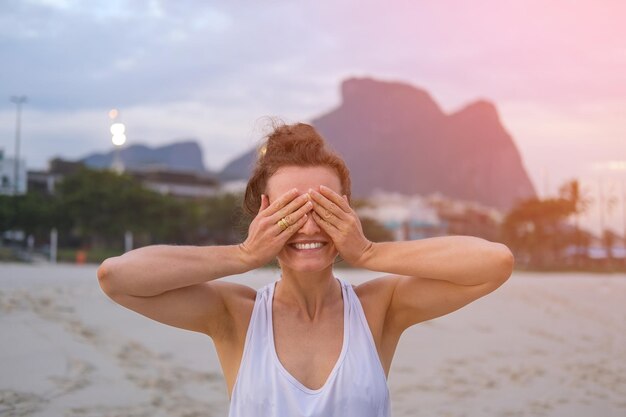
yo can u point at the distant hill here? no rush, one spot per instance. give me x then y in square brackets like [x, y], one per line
[180, 156]
[239, 168]
[395, 137]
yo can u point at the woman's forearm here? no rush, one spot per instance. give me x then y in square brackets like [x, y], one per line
[153, 270]
[466, 260]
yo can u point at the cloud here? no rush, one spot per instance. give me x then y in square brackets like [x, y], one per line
[211, 69]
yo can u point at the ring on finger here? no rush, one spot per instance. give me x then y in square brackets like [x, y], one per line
[283, 224]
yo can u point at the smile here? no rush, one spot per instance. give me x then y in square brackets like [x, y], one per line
[307, 246]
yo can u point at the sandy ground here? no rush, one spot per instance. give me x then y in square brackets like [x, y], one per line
[540, 345]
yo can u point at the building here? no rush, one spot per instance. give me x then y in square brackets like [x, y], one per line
[45, 181]
[7, 175]
[185, 184]
[418, 217]
[406, 217]
[181, 184]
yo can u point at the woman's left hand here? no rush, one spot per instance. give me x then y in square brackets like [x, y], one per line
[335, 216]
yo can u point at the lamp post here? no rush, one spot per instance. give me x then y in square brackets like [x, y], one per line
[18, 100]
[119, 138]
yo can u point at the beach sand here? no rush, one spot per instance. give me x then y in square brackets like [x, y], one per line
[540, 345]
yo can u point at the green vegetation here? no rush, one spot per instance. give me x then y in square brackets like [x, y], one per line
[92, 209]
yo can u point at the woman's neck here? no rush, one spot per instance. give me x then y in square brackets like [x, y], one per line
[309, 292]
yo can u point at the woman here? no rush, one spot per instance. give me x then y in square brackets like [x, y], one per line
[308, 344]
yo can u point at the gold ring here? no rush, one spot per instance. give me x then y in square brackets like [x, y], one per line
[282, 223]
[327, 214]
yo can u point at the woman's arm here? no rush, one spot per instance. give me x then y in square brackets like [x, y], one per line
[153, 270]
[170, 284]
[464, 260]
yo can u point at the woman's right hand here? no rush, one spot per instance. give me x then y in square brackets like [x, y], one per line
[265, 237]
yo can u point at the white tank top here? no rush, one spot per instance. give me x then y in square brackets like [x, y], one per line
[356, 387]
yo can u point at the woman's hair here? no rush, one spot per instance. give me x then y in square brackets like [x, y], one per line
[297, 144]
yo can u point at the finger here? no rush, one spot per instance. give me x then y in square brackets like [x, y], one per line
[281, 202]
[294, 227]
[335, 198]
[263, 203]
[306, 207]
[287, 211]
[293, 218]
[325, 225]
[327, 215]
[327, 209]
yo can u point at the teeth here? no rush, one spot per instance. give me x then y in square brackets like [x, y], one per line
[308, 245]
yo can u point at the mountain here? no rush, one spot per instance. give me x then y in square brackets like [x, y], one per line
[395, 137]
[239, 168]
[180, 156]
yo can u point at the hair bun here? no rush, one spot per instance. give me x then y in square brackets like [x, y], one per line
[298, 144]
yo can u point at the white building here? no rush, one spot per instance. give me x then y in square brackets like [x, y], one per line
[7, 175]
[184, 184]
[233, 187]
[407, 217]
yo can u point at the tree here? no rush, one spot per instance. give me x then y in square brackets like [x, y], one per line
[535, 228]
[103, 204]
[580, 203]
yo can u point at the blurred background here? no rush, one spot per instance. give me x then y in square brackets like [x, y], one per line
[130, 123]
[503, 120]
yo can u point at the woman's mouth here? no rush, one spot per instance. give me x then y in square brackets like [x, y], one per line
[307, 247]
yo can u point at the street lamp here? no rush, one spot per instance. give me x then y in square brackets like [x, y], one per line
[118, 138]
[18, 100]
[118, 131]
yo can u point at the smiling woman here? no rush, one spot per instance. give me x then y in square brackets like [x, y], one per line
[308, 344]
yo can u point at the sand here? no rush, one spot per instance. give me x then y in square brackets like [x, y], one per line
[540, 345]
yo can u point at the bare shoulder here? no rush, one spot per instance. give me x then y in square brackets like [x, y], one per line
[377, 291]
[375, 296]
[233, 292]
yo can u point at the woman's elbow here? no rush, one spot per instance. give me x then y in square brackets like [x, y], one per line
[506, 261]
[105, 274]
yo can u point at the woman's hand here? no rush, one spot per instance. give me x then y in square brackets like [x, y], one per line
[265, 237]
[335, 216]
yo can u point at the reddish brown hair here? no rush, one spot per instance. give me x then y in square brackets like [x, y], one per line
[297, 144]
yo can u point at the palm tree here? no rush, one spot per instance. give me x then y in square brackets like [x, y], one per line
[580, 203]
[607, 204]
[534, 228]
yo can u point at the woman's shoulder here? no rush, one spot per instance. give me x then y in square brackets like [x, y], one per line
[380, 288]
[236, 296]
[375, 296]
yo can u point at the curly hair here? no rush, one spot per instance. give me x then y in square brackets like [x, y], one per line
[297, 144]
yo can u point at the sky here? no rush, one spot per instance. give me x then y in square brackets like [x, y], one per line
[212, 70]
